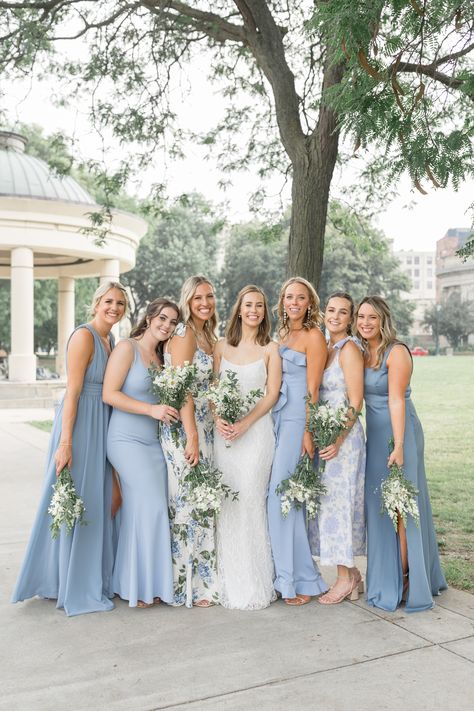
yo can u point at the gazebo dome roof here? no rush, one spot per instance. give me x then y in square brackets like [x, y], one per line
[23, 175]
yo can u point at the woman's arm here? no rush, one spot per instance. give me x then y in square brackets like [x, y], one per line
[352, 364]
[117, 369]
[400, 367]
[182, 349]
[80, 352]
[272, 392]
[316, 355]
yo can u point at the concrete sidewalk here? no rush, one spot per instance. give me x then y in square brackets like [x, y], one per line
[348, 656]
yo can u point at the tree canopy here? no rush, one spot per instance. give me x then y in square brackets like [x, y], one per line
[454, 319]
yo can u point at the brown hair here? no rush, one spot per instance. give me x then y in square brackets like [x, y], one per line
[154, 309]
[314, 317]
[187, 292]
[233, 332]
[387, 329]
[347, 297]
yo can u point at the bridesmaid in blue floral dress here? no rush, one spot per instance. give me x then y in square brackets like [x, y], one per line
[303, 351]
[192, 545]
[338, 532]
[142, 572]
[403, 564]
[76, 569]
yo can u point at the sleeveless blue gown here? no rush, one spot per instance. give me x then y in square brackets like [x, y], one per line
[295, 571]
[76, 569]
[143, 567]
[384, 570]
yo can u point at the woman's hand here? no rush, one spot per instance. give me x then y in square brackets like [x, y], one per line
[237, 430]
[330, 451]
[223, 427]
[63, 457]
[167, 414]
[191, 451]
[308, 446]
[396, 457]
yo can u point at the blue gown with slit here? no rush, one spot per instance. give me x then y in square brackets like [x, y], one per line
[75, 569]
[143, 568]
[295, 571]
[384, 570]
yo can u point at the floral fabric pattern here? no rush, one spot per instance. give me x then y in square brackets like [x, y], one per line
[192, 545]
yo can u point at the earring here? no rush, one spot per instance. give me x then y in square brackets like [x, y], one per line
[240, 317]
[285, 318]
[308, 316]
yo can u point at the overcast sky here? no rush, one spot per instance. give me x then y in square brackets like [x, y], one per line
[415, 227]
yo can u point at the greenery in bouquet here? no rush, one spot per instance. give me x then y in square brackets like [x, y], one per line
[302, 488]
[206, 491]
[171, 385]
[326, 423]
[66, 507]
[399, 495]
[227, 399]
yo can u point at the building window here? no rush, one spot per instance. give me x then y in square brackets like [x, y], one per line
[417, 260]
[429, 284]
[416, 284]
[429, 260]
[408, 260]
[417, 272]
[429, 272]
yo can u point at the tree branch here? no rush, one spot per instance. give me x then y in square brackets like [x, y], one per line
[211, 24]
[430, 71]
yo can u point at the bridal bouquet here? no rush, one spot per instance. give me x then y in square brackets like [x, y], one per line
[229, 403]
[327, 423]
[399, 495]
[302, 487]
[66, 507]
[206, 491]
[171, 386]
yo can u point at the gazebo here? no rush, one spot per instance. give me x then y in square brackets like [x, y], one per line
[43, 218]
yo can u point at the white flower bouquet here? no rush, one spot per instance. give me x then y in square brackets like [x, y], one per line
[228, 401]
[171, 386]
[399, 495]
[66, 507]
[206, 491]
[326, 423]
[303, 487]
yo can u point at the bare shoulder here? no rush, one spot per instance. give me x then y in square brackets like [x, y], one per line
[399, 355]
[183, 337]
[273, 348]
[314, 337]
[123, 348]
[82, 339]
[219, 347]
[351, 353]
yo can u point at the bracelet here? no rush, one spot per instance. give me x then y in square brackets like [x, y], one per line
[65, 444]
[400, 441]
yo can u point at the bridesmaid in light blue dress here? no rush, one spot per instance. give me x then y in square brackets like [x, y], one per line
[142, 572]
[401, 565]
[76, 569]
[303, 351]
[337, 534]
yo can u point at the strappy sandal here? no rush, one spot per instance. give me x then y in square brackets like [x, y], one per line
[351, 592]
[203, 603]
[298, 600]
[144, 605]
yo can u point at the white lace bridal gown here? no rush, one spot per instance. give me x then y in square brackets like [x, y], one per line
[244, 558]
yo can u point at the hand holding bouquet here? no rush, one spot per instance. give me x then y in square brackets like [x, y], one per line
[66, 507]
[229, 403]
[206, 491]
[326, 423]
[302, 487]
[399, 495]
[171, 386]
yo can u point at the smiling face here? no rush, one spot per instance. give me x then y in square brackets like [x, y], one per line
[203, 303]
[162, 326]
[296, 301]
[368, 323]
[111, 307]
[338, 317]
[252, 309]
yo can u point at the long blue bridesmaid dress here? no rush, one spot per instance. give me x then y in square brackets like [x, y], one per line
[76, 569]
[384, 570]
[295, 571]
[143, 567]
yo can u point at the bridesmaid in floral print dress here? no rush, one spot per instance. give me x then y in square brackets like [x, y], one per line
[192, 545]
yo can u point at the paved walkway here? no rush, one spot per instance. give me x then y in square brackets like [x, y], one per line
[348, 657]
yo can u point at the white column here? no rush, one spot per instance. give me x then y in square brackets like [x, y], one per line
[110, 271]
[22, 360]
[66, 321]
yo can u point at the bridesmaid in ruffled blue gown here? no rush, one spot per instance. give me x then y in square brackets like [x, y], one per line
[403, 564]
[143, 572]
[76, 569]
[303, 351]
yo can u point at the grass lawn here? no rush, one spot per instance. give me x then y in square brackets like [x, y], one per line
[443, 393]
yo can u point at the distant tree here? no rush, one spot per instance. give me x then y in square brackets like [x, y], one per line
[454, 319]
[5, 311]
[46, 317]
[184, 241]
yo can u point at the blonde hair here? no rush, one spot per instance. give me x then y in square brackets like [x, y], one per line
[101, 290]
[187, 292]
[233, 332]
[314, 317]
[387, 329]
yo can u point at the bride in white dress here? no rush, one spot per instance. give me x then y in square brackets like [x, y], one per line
[244, 558]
